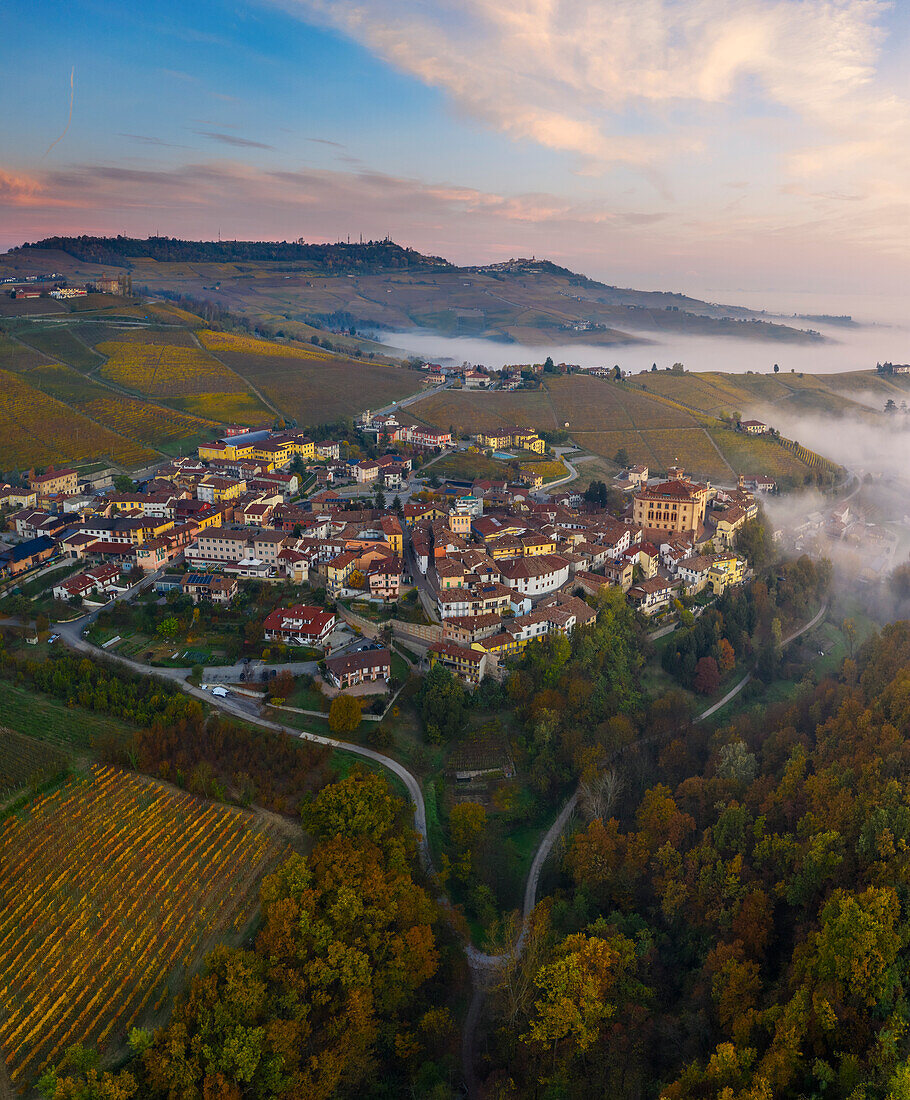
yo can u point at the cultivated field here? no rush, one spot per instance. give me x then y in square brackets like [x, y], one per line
[112, 888]
[312, 387]
[36, 429]
[61, 343]
[23, 760]
[18, 357]
[603, 417]
[855, 393]
[185, 376]
[164, 370]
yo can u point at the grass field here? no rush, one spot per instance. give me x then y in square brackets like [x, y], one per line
[48, 719]
[25, 761]
[112, 888]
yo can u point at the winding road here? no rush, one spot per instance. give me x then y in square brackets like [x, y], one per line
[483, 966]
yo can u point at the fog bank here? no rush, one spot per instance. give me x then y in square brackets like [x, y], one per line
[851, 349]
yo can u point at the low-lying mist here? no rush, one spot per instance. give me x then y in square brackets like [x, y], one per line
[847, 349]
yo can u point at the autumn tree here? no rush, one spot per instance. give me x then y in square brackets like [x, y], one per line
[345, 713]
[707, 676]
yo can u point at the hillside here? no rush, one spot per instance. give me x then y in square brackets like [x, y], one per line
[603, 416]
[128, 384]
[382, 286]
[857, 394]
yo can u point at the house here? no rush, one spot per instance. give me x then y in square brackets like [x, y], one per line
[338, 570]
[365, 471]
[536, 576]
[26, 555]
[103, 578]
[153, 553]
[726, 570]
[675, 505]
[55, 481]
[425, 437]
[652, 595]
[214, 490]
[384, 579]
[300, 625]
[209, 588]
[328, 449]
[470, 664]
[728, 523]
[365, 665]
[753, 427]
[12, 497]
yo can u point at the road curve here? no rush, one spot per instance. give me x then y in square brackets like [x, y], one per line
[71, 635]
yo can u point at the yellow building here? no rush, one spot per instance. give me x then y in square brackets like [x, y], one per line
[55, 481]
[726, 570]
[671, 506]
[215, 489]
[495, 439]
[528, 441]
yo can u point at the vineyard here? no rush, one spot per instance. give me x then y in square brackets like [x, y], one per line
[36, 429]
[148, 423]
[24, 761]
[112, 888]
[250, 345]
[164, 370]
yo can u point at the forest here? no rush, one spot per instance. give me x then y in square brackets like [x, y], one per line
[364, 256]
[740, 928]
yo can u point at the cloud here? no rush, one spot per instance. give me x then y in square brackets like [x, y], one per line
[628, 245]
[232, 139]
[567, 74]
[146, 139]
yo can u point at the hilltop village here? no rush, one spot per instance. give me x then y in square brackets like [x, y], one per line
[465, 573]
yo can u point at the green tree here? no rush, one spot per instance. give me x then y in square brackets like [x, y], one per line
[169, 628]
[359, 806]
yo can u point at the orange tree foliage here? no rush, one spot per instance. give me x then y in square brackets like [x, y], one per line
[337, 992]
[764, 886]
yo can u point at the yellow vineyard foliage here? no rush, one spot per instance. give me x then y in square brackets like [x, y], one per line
[111, 887]
[147, 423]
[36, 429]
[229, 341]
[164, 370]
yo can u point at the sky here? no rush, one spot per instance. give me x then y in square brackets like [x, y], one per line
[755, 145]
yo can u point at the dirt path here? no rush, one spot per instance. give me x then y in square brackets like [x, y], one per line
[484, 966]
[241, 377]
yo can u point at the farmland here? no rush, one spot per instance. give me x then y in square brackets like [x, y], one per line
[858, 394]
[23, 761]
[603, 417]
[62, 343]
[311, 386]
[36, 429]
[112, 888]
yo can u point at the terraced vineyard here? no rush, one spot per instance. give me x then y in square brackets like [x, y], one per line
[111, 886]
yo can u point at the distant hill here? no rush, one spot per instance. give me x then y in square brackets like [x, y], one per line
[343, 256]
[380, 285]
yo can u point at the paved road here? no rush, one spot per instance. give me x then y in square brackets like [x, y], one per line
[71, 635]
